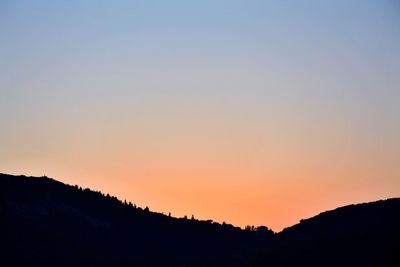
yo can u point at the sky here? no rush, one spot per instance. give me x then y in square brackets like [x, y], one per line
[248, 112]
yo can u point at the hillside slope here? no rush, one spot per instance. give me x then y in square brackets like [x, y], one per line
[365, 234]
[47, 223]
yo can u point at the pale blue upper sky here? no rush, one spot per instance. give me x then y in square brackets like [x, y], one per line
[341, 56]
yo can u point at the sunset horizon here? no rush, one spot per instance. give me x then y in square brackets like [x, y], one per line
[244, 112]
[240, 223]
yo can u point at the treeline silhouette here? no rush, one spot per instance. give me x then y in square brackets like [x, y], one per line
[50, 223]
[47, 223]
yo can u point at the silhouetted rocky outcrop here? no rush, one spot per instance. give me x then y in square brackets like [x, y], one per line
[47, 223]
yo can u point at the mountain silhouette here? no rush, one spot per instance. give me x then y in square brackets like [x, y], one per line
[47, 223]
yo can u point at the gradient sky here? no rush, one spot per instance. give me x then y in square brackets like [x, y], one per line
[249, 112]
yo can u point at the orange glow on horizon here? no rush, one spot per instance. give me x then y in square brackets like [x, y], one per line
[248, 112]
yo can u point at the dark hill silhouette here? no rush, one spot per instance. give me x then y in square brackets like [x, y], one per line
[365, 234]
[47, 223]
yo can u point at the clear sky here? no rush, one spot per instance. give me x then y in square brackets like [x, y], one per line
[249, 112]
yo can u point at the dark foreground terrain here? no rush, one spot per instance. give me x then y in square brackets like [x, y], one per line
[44, 222]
